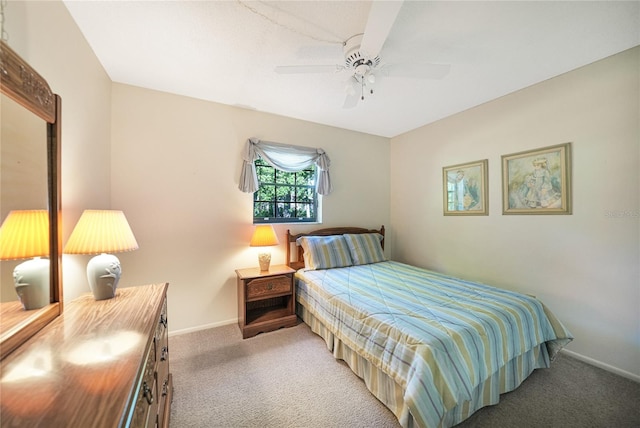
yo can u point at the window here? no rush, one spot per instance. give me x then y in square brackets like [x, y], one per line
[284, 197]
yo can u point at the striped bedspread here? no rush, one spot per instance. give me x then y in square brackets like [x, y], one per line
[438, 337]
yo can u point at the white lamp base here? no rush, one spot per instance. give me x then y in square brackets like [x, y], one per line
[31, 279]
[264, 259]
[103, 273]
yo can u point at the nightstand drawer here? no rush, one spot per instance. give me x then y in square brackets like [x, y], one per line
[263, 287]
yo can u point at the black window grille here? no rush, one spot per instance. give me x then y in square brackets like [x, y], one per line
[285, 197]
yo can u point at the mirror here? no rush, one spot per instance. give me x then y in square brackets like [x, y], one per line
[29, 179]
[23, 173]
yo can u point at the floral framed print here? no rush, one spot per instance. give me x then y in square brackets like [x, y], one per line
[464, 188]
[537, 181]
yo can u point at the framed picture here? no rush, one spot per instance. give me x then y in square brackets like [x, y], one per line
[537, 181]
[464, 188]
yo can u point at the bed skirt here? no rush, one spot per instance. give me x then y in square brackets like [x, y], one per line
[391, 394]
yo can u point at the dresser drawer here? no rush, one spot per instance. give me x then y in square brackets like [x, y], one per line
[265, 287]
[160, 337]
[146, 405]
[163, 321]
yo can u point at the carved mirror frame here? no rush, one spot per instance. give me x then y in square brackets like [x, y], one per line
[20, 82]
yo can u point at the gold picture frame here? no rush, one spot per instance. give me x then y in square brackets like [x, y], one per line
[465, 188]
[537, 181]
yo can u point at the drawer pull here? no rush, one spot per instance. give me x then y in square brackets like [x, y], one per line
[147, 393]
[165, 387]
[163, 320]
[163, 354]
[270, 286]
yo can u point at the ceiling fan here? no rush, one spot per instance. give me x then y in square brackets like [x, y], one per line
[362, 57]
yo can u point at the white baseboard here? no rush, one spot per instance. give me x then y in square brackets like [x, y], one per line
[202, 327]
[602, 365]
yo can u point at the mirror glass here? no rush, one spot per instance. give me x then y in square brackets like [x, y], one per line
[29, 180]
[23, 174]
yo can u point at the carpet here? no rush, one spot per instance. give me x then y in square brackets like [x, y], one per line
[288, 378]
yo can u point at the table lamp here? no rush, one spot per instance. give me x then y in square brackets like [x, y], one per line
[264, 236]
[25, 234]
[101, 232]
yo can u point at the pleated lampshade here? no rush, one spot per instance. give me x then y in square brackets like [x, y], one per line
[263, 236]
[24, 234]
[101, 231]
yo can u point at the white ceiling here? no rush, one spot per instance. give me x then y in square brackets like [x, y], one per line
[227, 51]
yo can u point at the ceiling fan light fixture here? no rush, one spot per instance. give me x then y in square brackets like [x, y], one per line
[362, 70]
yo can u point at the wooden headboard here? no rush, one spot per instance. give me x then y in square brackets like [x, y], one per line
[298, 261]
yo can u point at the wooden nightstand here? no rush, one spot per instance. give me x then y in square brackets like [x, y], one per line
[266, 299]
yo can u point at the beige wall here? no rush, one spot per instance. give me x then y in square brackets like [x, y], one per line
[175, 168]
[44, 34]
[583, 266]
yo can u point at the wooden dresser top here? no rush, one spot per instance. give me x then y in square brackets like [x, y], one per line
[82, 369]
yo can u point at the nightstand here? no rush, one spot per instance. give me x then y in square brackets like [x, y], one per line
[266, 299]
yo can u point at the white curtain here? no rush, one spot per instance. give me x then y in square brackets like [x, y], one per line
[285, 158]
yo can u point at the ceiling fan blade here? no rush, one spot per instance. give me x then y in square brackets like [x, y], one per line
[353, 94]
[351, 100]
[382, 15]
[416, 70]
[297, 69]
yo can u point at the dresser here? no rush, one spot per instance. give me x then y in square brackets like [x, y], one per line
[100, 364]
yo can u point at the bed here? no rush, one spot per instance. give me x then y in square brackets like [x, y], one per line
[432, 348]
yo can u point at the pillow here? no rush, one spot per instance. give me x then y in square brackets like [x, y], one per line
[324, 252]
[365, 248]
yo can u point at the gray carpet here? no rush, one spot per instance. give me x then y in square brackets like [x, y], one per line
[288, 378]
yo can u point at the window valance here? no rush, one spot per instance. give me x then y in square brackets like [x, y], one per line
[285, 158]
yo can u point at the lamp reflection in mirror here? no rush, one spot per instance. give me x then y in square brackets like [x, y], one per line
[25, 234]
[101, 232]
[264, 236]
